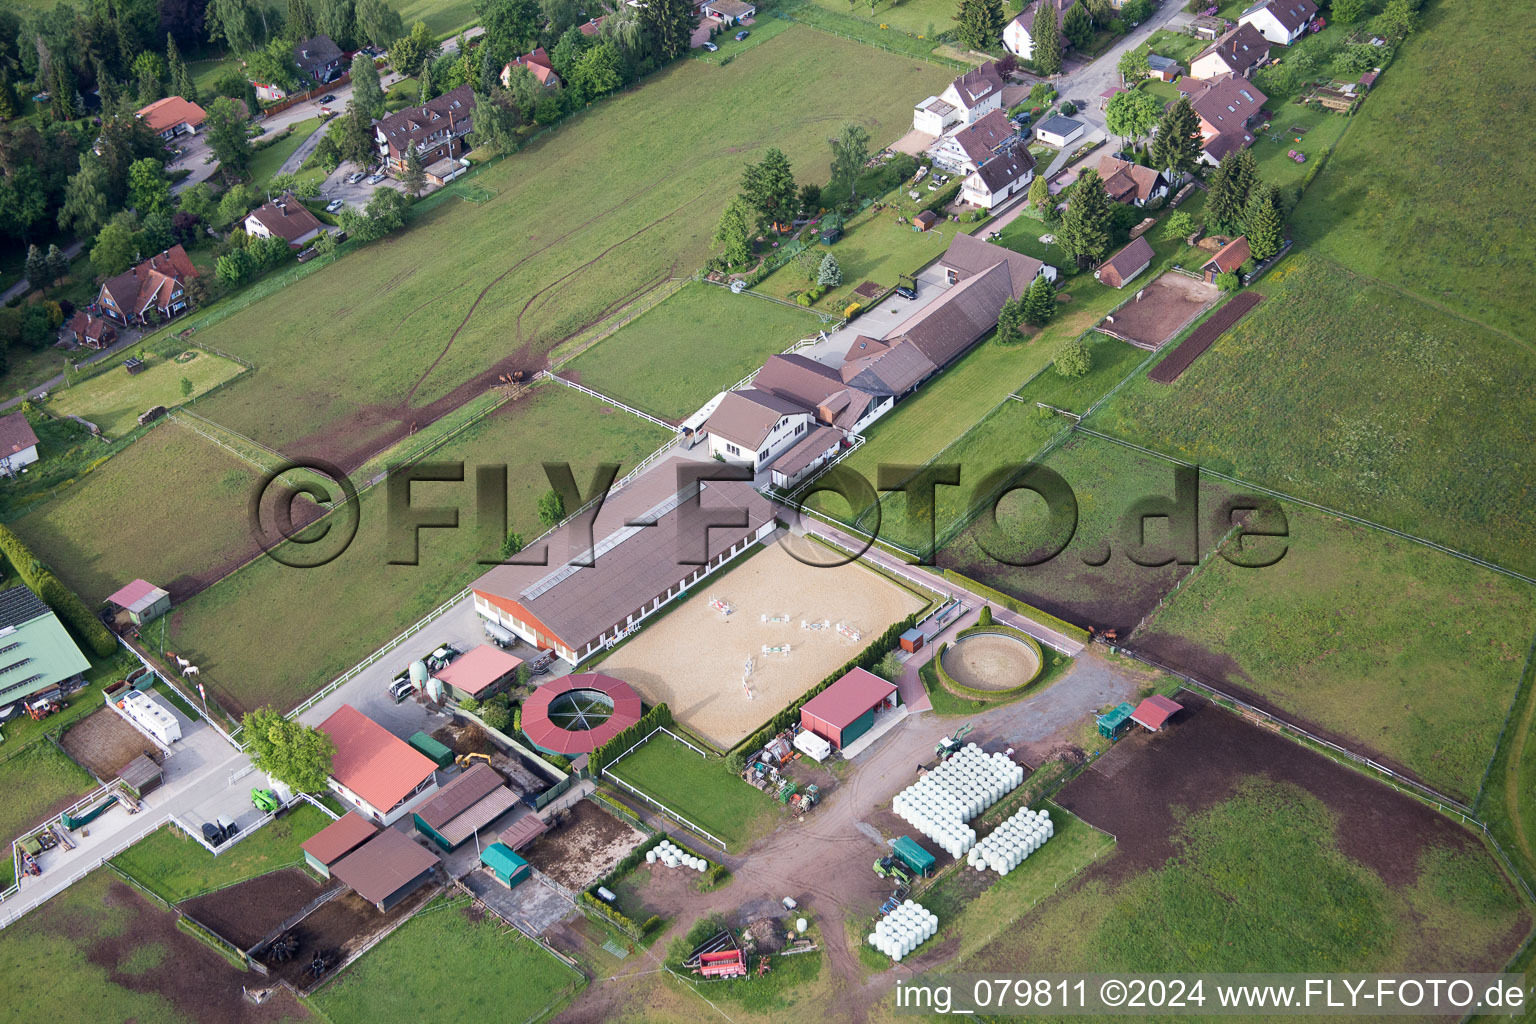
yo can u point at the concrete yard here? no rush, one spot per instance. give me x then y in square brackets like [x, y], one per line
[692, 658]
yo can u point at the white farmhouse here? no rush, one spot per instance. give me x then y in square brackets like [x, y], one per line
[1280, 21]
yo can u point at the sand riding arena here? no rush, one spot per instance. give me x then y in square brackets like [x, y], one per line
[1159, 310]
[783, 615]
[991, 661]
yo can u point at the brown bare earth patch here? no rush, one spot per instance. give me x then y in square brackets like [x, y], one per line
[338, 930]
[103, 743]
[248, 912]
[1158, 310]
[584, 847]
[1141, 789]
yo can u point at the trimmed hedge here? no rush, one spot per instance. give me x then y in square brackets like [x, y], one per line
[867, 659]
[622, 922]
[1061, 626]
[64, 602]
[943, 197]
[959, 689]
[656, 718]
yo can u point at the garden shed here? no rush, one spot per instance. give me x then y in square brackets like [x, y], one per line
[140, 776]
[141, 602]
[507, 867]
[1115, 721]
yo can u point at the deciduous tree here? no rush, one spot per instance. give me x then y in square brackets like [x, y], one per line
[87, 202]
[1073, 358]
[551, 508]
[148, 191]
[1133, 66]
[291, 752]
[850, 152]
[149, 73]
[377, 22]
[1131, 115]
[224, 128]
[116, 248]
[597, 71]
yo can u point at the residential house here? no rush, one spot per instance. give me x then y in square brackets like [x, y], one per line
[1238, 52]
[590, 28]
[1281, 21]
[319, 58]
[753, 427]
[728, 12]
[1016, 34]
[1059, 131]
[18, 445]
[1164, 69]
[1229, 259]
[380, 775]
[538, 64]
[969, 146]
[286, 218]
[1003, 176]
[605, 576]
[966, 100]
[1225, 107]
[436, 130]
[37, 657]
[91, 331]
[156, 286]
[1126, 264]
[1131, 184]
[171, 117]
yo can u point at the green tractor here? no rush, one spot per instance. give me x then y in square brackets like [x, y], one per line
[891, 867]
[265, 800]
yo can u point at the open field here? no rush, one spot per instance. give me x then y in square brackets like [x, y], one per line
[1464, 240]
[1307, 865]
[1361, 398]
[1106, 479]
[402, 978]
[676, 357]
[228, 629]
[414, 334]
[692, 658]
[113, 525]
[1113, 361]
[1379, 642]
[701, 789]
[443, 17]
[110, 954]
[175, 867]
[915, 17]
[113, 401]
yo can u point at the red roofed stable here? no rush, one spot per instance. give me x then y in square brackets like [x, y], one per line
[480, 673]
[336, 840]
[1228, 260]
[386, 869]
[1153, 712]
[577, 714]
[845, 710]
[374, 769]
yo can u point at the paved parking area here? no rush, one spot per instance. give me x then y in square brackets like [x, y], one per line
[879, 321]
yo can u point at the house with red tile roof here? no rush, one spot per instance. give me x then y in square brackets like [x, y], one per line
[1226, 106]
[378, 773]
[154, 288]
[171, 116]
[536, 62]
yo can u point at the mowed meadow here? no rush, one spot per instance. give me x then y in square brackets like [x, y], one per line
[583, 221]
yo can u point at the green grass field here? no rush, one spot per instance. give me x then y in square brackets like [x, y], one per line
[269, 159]
[443, 17]
[176, 868]
[1463, 240]
[1259, 882]
[498, 974]
[116, 523]
[1363, 399]
[677, 356]
[1405, 650]
[40, 780]
[229, 629]
[1113, 361]
[114, 400]
[912, 26]
[553, 252]
[700, 789]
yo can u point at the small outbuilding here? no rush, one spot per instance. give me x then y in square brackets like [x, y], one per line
[912, 640]
[505, 866]
[846, 710]
[1114, 722]
[438, 753]
[480, 673]
[1059, 131]
[18, 443]
[1127, 264]
[140, 602]
[925, 220]
[386, 869]
[336, 840]
[1229, 259]
[140, 776]
[1153, 713]
[523, 831]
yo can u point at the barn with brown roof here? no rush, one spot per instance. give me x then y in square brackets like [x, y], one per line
[336, 840]
[1126, 264]
[386, 869]
[463, 807]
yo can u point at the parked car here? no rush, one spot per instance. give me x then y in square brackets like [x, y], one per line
[711, 47]
[376, 178]
[742, 35]
[328, 98]
[334, 205]
[354, 177]
[906, 293]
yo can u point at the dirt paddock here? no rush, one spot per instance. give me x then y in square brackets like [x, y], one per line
[1165, 306]
[585, 847]
[340, 929]
[693, 657]
[991, 661]
[247, 912]
[103, 743]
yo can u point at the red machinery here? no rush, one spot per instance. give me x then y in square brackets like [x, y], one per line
[727, 963]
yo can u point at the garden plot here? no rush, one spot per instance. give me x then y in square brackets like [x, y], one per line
[784, 618]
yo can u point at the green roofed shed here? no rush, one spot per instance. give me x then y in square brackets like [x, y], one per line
[913, 855]
[1115, 721]
[439, 754]
[510, 869]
